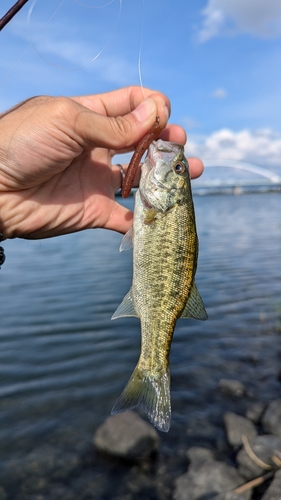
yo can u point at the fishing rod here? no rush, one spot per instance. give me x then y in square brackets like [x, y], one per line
[11, 13]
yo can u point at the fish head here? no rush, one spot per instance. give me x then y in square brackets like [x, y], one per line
[165, 178]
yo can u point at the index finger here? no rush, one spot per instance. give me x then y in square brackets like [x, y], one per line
[122, 101]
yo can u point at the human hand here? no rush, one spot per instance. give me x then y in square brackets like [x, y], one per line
[56, 174]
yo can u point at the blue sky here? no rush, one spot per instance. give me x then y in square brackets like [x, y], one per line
[219, 61]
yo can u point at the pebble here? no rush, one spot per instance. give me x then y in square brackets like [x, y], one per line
[264, 447]
[231, 495]
[207, 480]
[255, 411]
[237, 426]
[198, 456]
[274, 490]
[127, 436]
[232, 388]
[271, 420]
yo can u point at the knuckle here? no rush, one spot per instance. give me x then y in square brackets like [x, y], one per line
[62, 105]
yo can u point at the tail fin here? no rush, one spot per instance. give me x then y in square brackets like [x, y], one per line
[151, 393]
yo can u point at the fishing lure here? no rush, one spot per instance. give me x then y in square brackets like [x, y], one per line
[142, 146]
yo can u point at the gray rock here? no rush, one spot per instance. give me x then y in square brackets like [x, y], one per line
[206, 481]
[126, 436]
[255, 412]
[198, 456]
[231, 495]
[271, 420]
[264, 447]
[274, 490]
[232, 388]
[237, 426]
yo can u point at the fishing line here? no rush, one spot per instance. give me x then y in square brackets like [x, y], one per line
[140, 50]
[141, 37]
[36, 38]
[94, 6]
[33, 41]
[78, 68]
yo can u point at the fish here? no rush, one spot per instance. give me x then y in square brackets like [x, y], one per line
[165, 252]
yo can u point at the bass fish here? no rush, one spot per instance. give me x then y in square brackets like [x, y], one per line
[164, 264]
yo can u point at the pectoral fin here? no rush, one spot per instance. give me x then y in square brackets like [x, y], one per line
[194, 307]
[127, 240]
[126, 308]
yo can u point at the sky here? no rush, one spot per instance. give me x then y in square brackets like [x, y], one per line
[218, 61]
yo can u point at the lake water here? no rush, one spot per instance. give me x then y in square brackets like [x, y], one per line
[63, 362]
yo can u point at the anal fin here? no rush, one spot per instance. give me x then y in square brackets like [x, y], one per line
[194, 307]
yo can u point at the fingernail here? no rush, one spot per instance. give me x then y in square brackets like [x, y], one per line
[144, 110]
[167, 112]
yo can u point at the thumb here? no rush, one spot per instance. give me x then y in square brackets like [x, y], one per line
[119, 132]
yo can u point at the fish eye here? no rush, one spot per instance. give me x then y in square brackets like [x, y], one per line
[179, 167]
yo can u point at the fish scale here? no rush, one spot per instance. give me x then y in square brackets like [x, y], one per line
[162, 282]
[164, 265]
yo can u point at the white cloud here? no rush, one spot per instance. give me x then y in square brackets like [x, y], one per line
[190, 123]
[219, 93]
[260, 18]
[262, 147]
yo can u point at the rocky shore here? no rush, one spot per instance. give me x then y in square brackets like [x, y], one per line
[254, 438]
[128, 459]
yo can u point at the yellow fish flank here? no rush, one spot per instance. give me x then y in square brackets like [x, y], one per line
[164, 264]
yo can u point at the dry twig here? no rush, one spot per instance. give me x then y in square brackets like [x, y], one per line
[261, 479]
[254, 482]
[252, 455]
